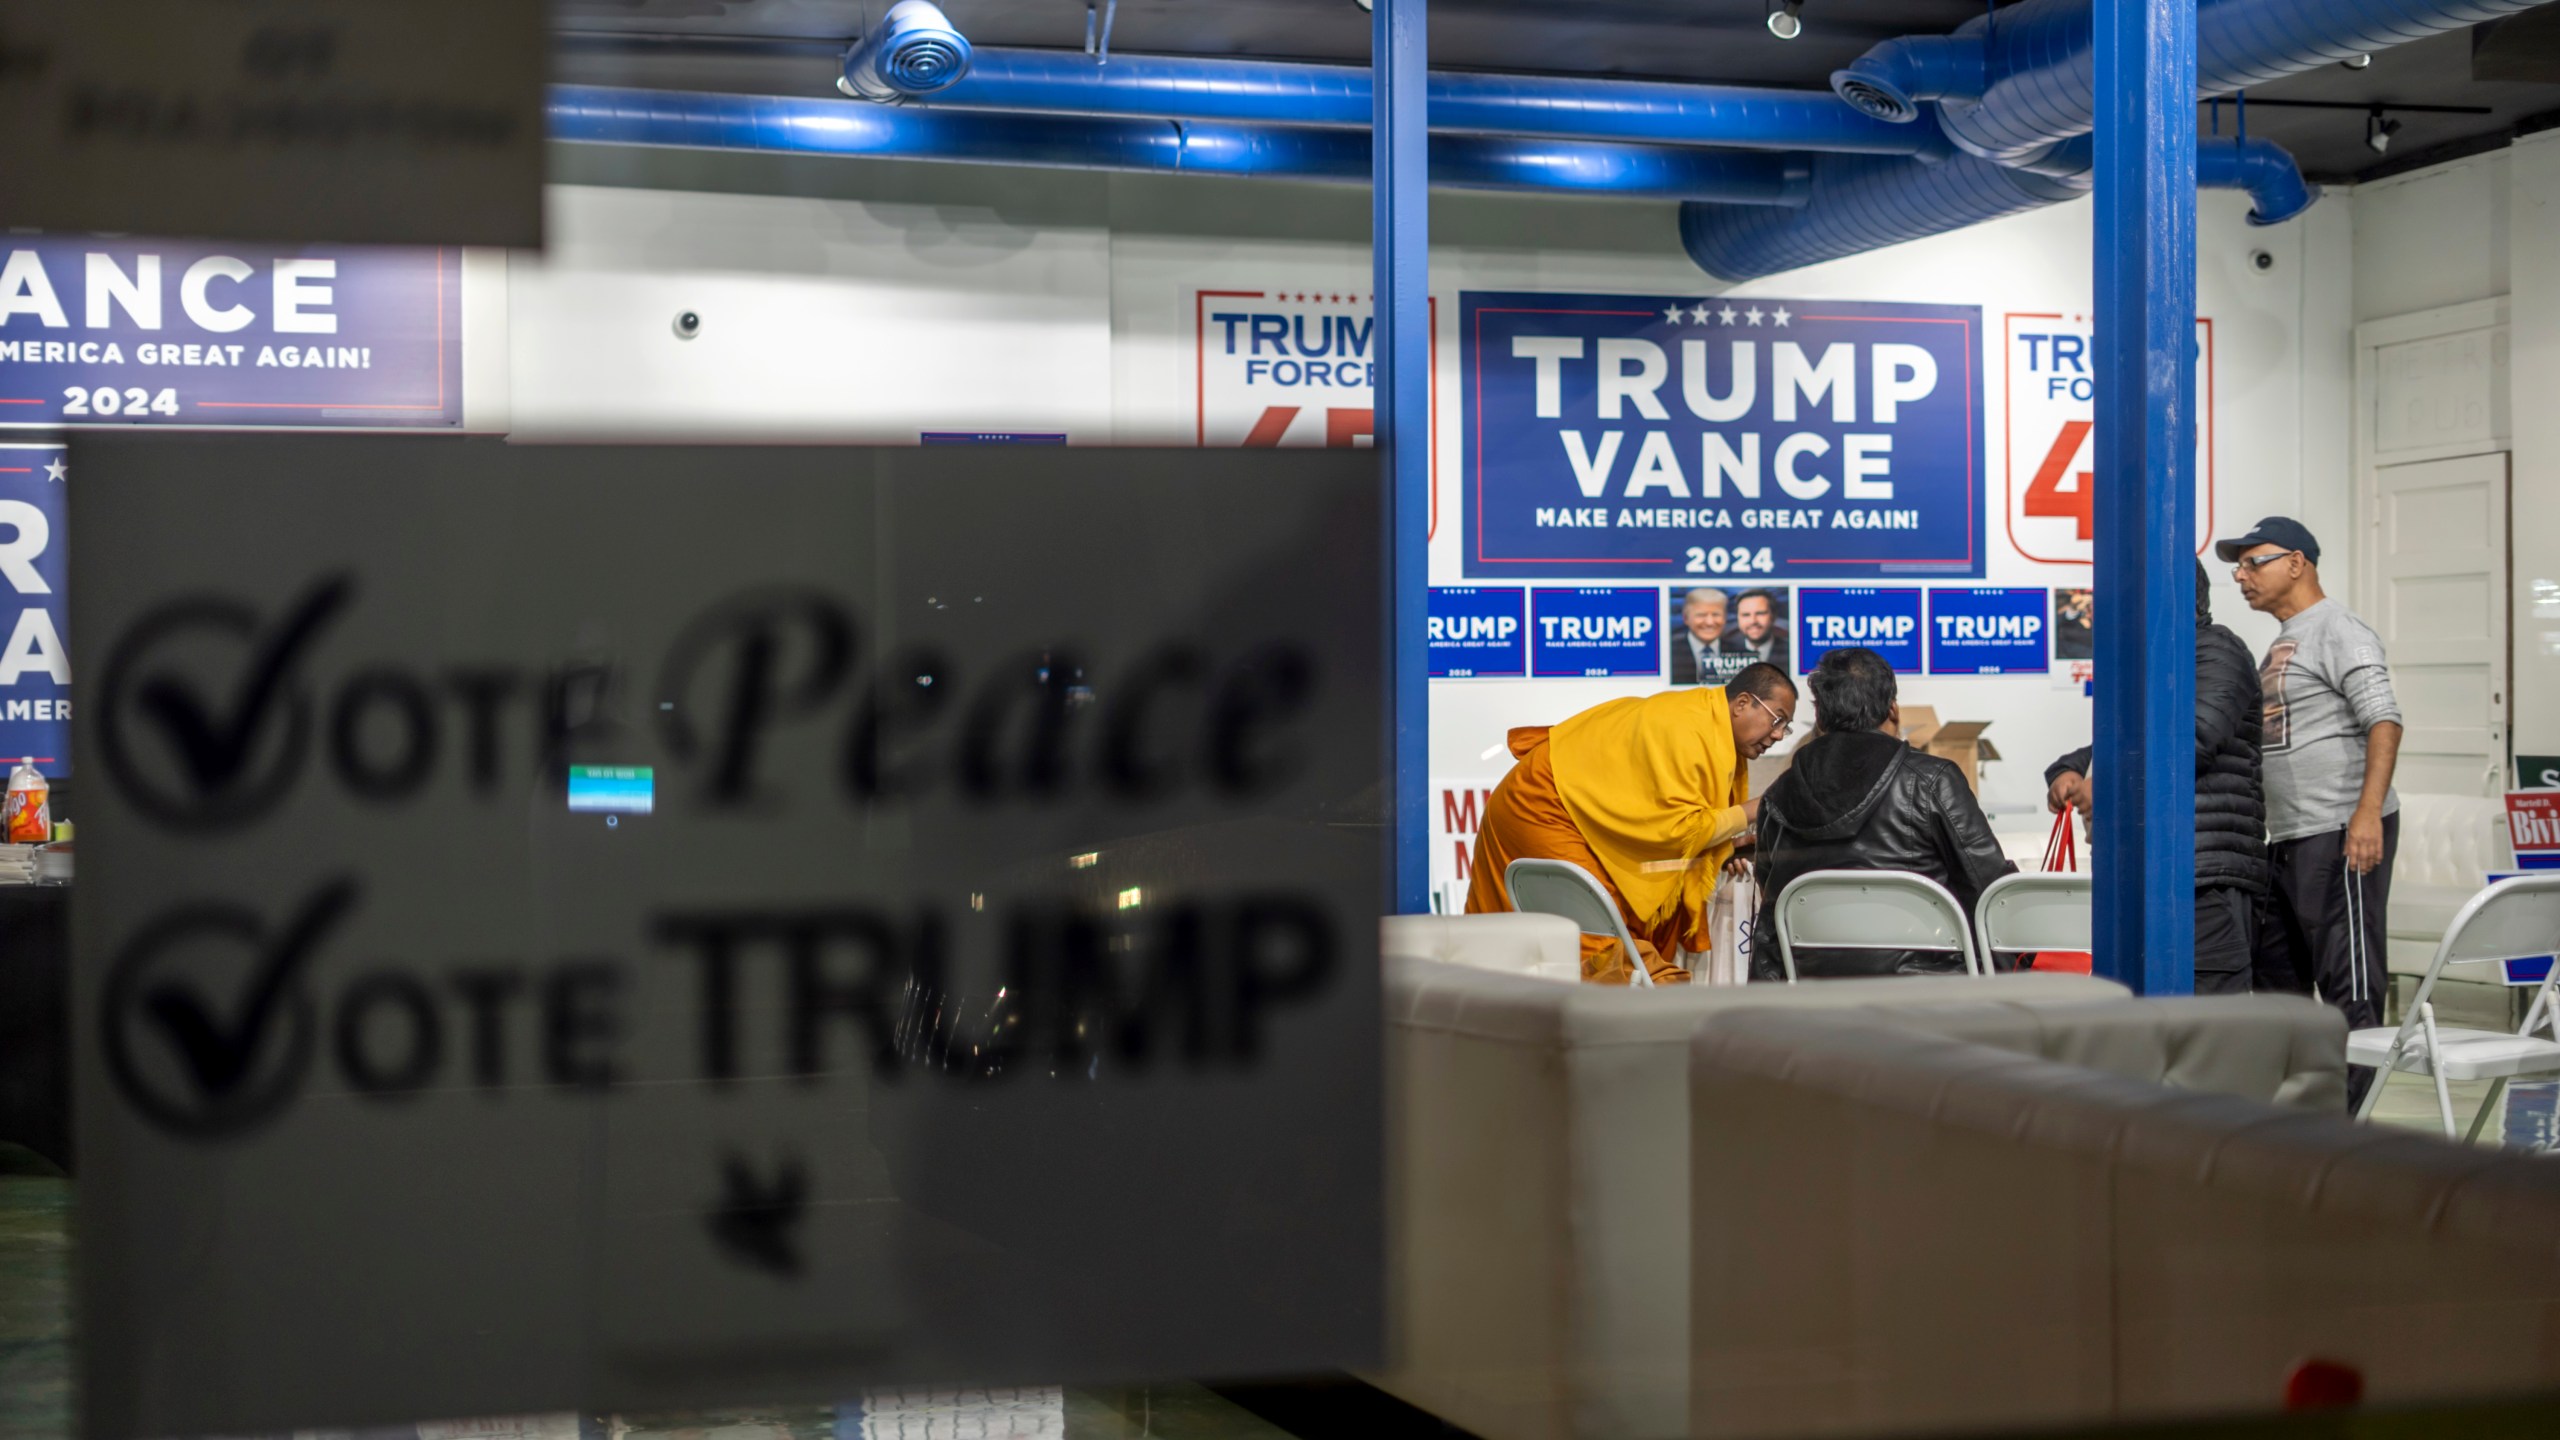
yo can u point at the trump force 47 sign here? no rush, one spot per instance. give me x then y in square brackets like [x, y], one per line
[1293, 365]
[1644, 437]
[2052, 485]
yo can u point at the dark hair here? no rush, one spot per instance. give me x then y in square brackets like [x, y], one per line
[1767, 595]
[1763, 680]
[2204, 596]
[1853, 690]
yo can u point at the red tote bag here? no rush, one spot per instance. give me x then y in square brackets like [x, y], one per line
[2061, 856]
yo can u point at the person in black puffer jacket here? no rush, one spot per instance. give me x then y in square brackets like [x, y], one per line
[1857, 798]
[2231, 806]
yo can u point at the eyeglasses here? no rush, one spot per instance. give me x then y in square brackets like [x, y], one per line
[1783, 722]
[2261, 562]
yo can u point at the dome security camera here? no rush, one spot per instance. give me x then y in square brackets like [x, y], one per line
[2261, 261]
[688, 324]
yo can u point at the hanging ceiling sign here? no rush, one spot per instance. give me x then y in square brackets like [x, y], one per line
[587, 929]
[2051, 382]
[388, 122]
[1645, 436]
[127, 332]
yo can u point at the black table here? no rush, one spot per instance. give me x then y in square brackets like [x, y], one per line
[35, 1019]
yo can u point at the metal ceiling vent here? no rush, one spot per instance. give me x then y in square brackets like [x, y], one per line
[913, 51]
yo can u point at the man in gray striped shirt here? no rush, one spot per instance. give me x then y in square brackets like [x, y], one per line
[2331, 741]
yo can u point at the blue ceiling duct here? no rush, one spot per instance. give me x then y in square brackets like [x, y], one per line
[608, 115]
[2037, 62]
[1861, 203]
[912, 52]
[2277, 191]
[1651, 112]
[1891, 81]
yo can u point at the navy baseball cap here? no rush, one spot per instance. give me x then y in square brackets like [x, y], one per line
[2274, 530]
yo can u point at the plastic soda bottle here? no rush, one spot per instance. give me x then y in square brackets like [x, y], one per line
[30, 806]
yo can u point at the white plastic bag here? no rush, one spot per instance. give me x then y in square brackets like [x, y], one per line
[1729, 916]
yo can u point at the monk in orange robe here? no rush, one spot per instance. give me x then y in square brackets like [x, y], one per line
[1648, 795]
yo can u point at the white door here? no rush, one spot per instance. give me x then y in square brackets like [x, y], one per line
[2442, 542]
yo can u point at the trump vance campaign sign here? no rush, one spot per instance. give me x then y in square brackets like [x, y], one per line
[35, 661]
[1643, 437]
[151, 332]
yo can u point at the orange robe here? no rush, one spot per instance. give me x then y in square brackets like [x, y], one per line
[1645, 795]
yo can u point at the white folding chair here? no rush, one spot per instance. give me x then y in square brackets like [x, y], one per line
[2510, 920]
[2020, 913]
[1871, 910]
[1560, 887]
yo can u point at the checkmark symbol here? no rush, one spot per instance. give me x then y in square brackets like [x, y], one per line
[215, 744]
[221, 1056]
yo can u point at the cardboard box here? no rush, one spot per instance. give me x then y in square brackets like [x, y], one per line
[1957, 740]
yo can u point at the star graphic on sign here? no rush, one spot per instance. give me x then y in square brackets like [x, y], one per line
[1781, 318]
[1725, 314]
[1698, 312]
[55, 470]
[1752, 314]
[1671, 314]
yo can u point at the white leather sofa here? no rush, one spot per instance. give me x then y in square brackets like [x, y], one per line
[1903, 1232]
[1539, 1169]
[2448, 843]
[1547, 946]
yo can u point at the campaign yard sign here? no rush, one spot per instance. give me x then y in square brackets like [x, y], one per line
[1476, 632]
[768, 1070]
[1595, 632]
[35, 661]
[2000, 631]
[2533, 824]
[1457, 812]
[152, 332]
[1651, 437]
[1886, 621]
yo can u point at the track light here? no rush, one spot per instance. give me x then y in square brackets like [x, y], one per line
[1786, 19]
[2378, 130]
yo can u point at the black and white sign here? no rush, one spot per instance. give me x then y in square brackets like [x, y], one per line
[387, 122]
[576, 928]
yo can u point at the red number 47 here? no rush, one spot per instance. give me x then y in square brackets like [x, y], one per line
[2045, 496]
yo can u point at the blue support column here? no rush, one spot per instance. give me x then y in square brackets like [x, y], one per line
[2144, 843]
[1400, 240]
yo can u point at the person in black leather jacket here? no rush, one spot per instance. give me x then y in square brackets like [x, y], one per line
[2231, 805]
[1857, 798]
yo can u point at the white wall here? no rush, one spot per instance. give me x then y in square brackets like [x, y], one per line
[2432, 237]
[2479, 229]
[2533, 375]
[872, 301]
